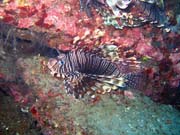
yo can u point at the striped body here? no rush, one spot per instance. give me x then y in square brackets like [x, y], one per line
[139, 12]
[76, 67]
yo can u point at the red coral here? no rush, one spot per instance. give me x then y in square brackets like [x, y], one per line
[8, 18]
[34, 111]
[27, 11]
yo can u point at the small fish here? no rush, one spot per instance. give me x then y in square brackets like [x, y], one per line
[83, 70]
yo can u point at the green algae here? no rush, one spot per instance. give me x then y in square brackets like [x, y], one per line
[12, 120]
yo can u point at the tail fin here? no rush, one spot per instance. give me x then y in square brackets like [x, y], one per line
[135, 80]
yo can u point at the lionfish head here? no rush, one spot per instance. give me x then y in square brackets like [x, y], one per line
[54, 65]
[51, 63]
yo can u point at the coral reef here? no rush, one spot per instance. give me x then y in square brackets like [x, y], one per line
[45, 99]
[30, 27]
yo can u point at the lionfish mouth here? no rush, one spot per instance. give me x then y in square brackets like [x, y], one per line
[51, 63]
[52, 67]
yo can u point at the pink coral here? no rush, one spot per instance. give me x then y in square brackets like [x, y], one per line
[176, 68]
[174, 57]
[175, 81]
[129, 94]
[145, 48]
[25, 22]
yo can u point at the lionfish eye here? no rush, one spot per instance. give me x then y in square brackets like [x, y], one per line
[61, 62]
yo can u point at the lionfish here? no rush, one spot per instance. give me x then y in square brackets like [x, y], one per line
[132, 13]
[82, 70]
